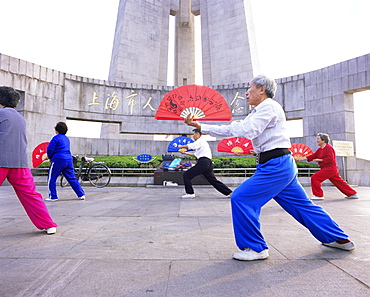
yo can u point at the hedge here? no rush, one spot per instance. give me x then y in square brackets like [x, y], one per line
[219, 162]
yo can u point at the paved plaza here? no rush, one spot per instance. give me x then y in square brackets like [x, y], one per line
[148, 241]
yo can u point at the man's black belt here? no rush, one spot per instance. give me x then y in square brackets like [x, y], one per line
[262, 158]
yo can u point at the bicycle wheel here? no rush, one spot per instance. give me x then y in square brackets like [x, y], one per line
[99, 175]
[63, 181]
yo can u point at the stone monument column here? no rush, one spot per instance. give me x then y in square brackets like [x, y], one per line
[184, 70]
[228, 42]
[140, 49]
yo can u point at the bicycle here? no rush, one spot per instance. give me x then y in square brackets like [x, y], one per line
[98, 174]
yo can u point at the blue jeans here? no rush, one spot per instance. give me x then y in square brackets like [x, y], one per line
[277, 179]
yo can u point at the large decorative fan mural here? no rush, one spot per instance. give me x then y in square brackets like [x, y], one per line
[39, 154]
[181, 140]
[239, 145]
[202, 102]
[300, 150]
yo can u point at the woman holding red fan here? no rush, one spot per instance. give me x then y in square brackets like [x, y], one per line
[275, 177]
[325, 156]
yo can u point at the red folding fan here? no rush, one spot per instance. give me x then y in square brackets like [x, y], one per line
[200, 101]
[39, 154]
[300, 150]
[239, 145]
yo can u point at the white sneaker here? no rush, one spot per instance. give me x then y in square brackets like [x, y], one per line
[51, 230]
[51, 199]
[349, 246]
[82, 197]
[352, 197]
[171, 184]
[250, 255]
[188, 196]
[317, 198]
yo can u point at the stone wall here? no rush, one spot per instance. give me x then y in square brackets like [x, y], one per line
[322, 98]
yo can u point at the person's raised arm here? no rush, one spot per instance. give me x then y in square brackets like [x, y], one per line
[190, 122]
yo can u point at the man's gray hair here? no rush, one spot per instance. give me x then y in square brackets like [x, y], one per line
[267, 82]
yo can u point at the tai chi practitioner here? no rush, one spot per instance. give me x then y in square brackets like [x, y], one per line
[61, 160]
[325, 156]
[275, 177]
[203, 166]
[14, 161]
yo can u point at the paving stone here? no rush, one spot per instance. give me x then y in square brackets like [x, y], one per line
[148, 241]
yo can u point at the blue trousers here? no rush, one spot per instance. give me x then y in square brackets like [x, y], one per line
[66, 168]
[277, 179]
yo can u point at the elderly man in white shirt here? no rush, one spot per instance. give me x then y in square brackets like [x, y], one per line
[204, 165]
[275, 177]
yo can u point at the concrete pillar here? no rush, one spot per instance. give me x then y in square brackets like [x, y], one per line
[140, 50]
[140, 46]
[184, 46]
[228, 42]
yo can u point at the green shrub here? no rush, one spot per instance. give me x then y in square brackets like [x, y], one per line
[306, 164]
[127, 162]
[219, 162]
[234, 162]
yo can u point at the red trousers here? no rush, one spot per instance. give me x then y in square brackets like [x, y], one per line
[22, 181]
[333, 175]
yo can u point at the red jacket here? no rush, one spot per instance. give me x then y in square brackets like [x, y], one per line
[327, 154]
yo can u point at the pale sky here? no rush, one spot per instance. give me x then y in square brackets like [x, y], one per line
[293, 36]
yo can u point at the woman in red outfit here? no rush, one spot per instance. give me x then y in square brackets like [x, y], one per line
[325, 156]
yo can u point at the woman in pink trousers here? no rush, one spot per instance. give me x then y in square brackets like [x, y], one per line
[14, 163]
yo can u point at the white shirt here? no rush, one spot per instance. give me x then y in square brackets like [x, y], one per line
[265, 126]
[201, 148]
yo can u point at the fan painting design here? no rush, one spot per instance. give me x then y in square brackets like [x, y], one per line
[202, 102]
[300, 150]
[181, 140]
[239, 145]
[39, 154]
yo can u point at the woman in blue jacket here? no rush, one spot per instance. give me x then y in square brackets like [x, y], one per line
[60, 157]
